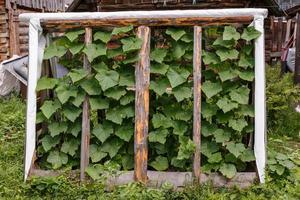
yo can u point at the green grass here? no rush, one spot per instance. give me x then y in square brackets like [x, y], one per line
[12, 186]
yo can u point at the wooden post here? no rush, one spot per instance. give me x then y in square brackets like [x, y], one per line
[85, 135]
[142, 79]
[297, 54]
[197, 101]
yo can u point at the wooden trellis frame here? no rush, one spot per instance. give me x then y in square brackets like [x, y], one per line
[52, 22]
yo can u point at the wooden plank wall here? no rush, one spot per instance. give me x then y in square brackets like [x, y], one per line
[44, 5]
[4, 35]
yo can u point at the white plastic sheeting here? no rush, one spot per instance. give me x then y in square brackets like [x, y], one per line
[35, 57]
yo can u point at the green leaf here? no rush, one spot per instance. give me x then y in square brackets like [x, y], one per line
[186, 148]
[127, 162]
[77, 101]
[159, 68]
[176, 112]
[237, 124]
[177, 77]
[208, 129]
[246, 110]
[124, 29]
[93, 172]
[64, 93]
[71, 112]
[210, 58]
[111, 53]
[235, 148]
[230, 33]
[250, 33]
[100, 67]
[247, 155]
[158, 54]
[127, 79]
[279, 169]
[246, 61]
[178, 50]
[182, 93]
[208, 110]
[70, 146]
[115, 93]
[103, 131]
[187, 38]
[56, 128]
[221, 136]
[131, 44]
[54, 50]
[215, 158]
[287, 163]
[227, 54]
[159, 135]
[159, 86]
[175, 33]
[49, 142]
[159, 120]
[112, 146]
[117, 114]
[247, 75]
[160, 163]
[40, 117]
[240, 95]
[226, 105]
[57, 159]
[210, 89]
[45, 83]
[107, 78]
[77, 74]
[128, 98]
[125, 132]
[50, 107]
[103, 36]
[179, 127]
[75, 128]
[96, 154]
[228, 74]
[94, 50]
[98, 103]
[219, 43]
[91, 86]
[208, 148]
[247, 49]
[72, 35]
[228, 170]
[75, 48]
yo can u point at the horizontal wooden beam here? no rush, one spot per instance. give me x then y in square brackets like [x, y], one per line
[63, 25]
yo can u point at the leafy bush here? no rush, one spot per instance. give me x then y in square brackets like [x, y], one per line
[282, 95]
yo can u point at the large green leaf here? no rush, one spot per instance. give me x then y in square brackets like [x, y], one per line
[210, 89]
[128, 98]
[220, 43]
[103, 131]
[71, 112]
[182, 92]
[160, 163]
[107, 78]
[240, 95]
[77, 101]
[56, 128]
[127, 162]
[226, 104]
[159, 86]
[159, 120]
[247, 75]
[103, 36]
[210, 58]
[228, 170]
[75, 48]
[50, 107]
[93, 171]
[250, 33]
[177, 112]
[159, 135]
[207, 129]
[246, 110]
[115, 93]
[179, 127]
[230, 33]
[178, 50]
[175, 33]
[227, 54]
[46, 83]
[235, 148]
[159, 68]
[49, 142]
[57, 159]
[215, 158]
[117, 114]
[208, 110]
[186, 148]
[125, 132]
[131, 44]
[127, 79]
[112, 146]
[75, 128]
[55, 50]
[228, 74]
[246, 61]
[119, 30]
[247, 155]
[70, 146]
[94, 50]
[98, 103]
[91, 86]
[208, 148]
[96, 154]
[221, 136]
[77, 74]
[158, 54]
[72, 35]
[64, 93]
[237, 124]
[177, 76]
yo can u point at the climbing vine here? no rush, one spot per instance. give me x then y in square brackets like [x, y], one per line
[227, 110]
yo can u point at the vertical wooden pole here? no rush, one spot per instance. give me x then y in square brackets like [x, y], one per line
[85, 135]
[297, 54]
[197, 101]
[142, 79]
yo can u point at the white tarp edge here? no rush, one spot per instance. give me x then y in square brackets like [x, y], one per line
[36, 53]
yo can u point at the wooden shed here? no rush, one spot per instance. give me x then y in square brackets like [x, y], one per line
[13, 34]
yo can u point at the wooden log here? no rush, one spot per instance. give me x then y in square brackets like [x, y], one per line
[61, 25]
[85, 135]
[197, 101]
[142, 81]
[297, 54]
